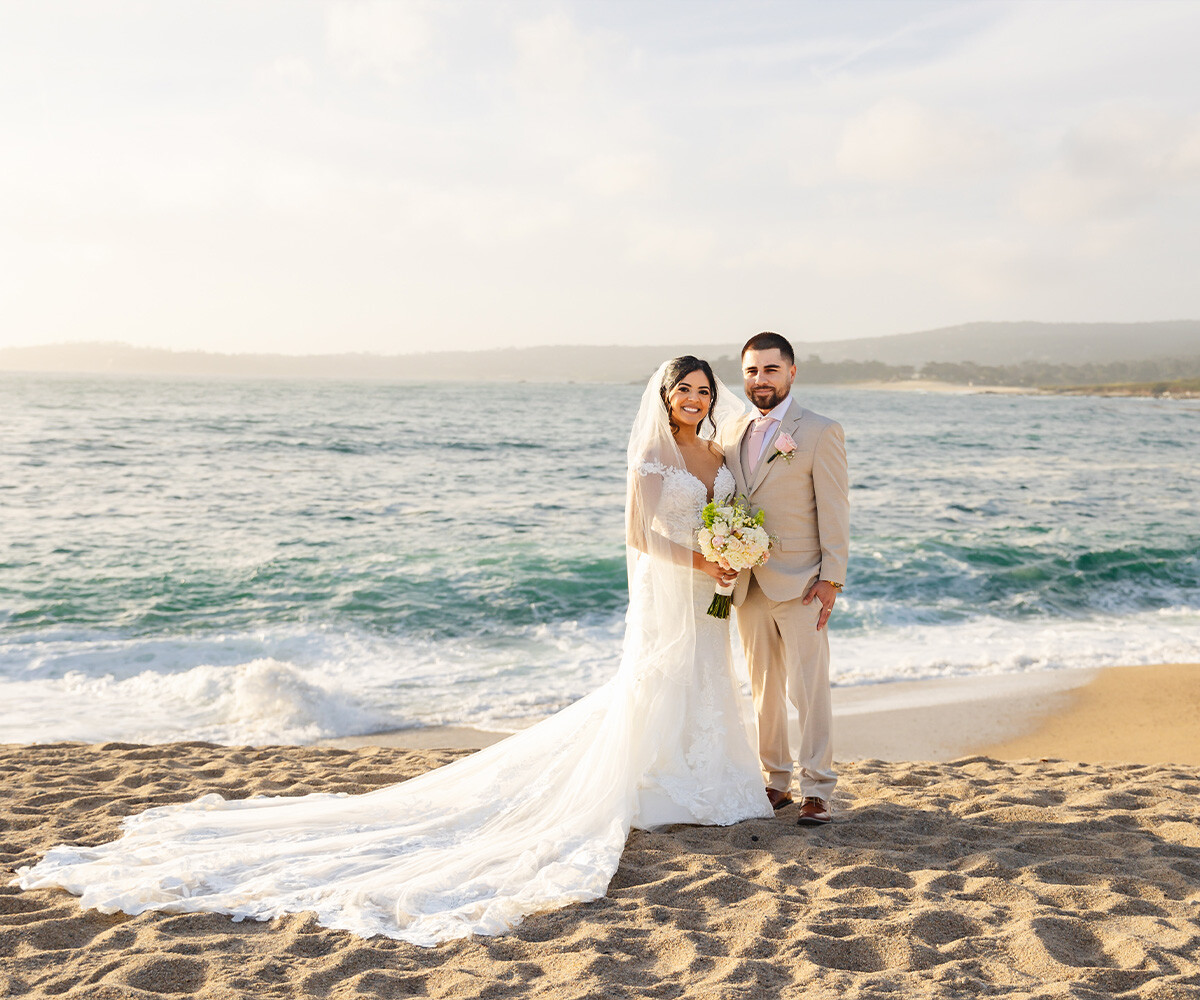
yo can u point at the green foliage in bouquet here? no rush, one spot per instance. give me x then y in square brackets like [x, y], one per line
[740, 504]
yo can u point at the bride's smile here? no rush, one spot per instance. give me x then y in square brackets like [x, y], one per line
[690, 399]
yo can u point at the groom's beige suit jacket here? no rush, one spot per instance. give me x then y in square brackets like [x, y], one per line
[806, 499]
[807, 504]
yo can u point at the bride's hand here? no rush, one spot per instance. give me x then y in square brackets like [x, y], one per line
[719, 572]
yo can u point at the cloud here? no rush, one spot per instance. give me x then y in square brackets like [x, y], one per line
[1119, 162]
[377, 38]
[898, 140]
[552, 55]
[657, 243]
[925, 164]
[478, 216]
[286, 73]
[616, 174]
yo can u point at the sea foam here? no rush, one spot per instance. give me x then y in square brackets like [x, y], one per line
[355, 684]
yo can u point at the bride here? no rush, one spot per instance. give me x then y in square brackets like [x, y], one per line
[532, 823]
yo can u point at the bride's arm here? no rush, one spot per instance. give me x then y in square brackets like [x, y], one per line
[645, 493]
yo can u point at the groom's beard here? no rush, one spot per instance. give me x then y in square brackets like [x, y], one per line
[768, 397]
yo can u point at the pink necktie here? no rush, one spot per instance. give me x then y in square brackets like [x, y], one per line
[762, 429]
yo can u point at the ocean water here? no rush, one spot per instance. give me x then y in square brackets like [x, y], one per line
[282, 561]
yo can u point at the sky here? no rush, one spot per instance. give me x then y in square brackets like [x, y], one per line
[400, 176]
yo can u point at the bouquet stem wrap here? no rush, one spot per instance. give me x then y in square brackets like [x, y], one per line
[722, 601]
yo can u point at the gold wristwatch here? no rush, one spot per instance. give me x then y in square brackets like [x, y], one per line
[835, 586]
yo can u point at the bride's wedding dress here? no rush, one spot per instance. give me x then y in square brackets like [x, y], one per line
[534, 822]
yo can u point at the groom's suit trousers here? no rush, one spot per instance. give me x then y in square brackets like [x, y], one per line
[789, 662]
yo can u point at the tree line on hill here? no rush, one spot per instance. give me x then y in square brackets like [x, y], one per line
[925, 357]
[1033, 374]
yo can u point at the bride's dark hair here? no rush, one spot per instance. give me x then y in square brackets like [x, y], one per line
[676, 371]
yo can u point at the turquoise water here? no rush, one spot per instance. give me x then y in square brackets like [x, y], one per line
[285, 560]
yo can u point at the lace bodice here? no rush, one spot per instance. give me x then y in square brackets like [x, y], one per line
[677, 514]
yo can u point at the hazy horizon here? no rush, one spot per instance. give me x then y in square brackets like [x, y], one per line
[1141, 351]
[307, 178]
[727, 344]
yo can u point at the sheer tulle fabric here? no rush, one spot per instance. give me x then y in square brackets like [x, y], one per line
[535, 822]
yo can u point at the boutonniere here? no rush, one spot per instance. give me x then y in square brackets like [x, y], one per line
[784, 445]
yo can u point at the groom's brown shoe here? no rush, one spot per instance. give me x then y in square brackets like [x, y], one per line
[778, 799]
[813, 812]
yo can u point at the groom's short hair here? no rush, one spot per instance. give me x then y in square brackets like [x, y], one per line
[768, 341]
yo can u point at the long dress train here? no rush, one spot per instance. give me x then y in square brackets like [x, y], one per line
[534, 822]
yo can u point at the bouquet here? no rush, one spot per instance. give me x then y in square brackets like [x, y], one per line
[731, 535]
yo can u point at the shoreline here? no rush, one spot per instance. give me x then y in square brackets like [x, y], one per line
[1138, 390]
[930, 385]
[1057, 713]
[1130, 712]
[1142, 714]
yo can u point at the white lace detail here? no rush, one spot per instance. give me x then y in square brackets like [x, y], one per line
[677, 516]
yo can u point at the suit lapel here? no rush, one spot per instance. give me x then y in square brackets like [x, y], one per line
[789, 423]
[734, 459]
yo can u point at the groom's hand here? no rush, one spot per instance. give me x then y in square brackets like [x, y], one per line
[826, 593]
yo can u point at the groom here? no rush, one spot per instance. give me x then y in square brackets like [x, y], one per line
[791, 463]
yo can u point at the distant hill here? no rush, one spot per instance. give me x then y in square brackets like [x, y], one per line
[1012, 343]
[980, 343]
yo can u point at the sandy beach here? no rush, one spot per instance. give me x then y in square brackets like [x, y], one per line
[992, 837]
